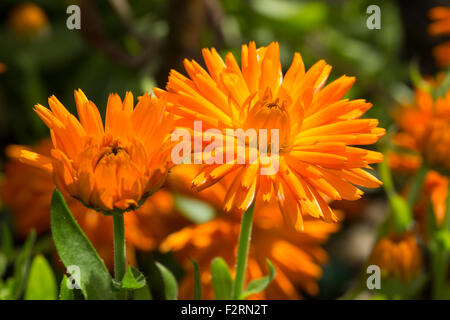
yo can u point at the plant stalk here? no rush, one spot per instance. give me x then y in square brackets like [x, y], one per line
[242, 254]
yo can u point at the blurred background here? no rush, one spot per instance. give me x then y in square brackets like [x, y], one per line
[131, 46]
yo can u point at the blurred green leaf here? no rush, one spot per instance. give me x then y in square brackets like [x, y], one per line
[221, 279]
[197, 281]
[41, 281]
[261, 284]
[170, 283]
[15, 284]
[195, 210]
[75, 249]
[133, 279]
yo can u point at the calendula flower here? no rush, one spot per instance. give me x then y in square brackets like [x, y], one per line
[27, 19]
[27, 191]
[296, 256]
[398, 256]
[111, 168]
[439, 27]
[424, 128]
[316, 129]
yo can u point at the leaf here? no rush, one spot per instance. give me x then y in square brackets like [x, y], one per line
[65, 293]
[197, 281]
[142, 293]
[170, 283]
[221, 279]
[74, 249]
[193, 209]
[261, 284]
[41, 281]
[3, 264]
[16, 283]
[133, 279]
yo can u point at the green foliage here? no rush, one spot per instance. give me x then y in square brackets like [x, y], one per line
[221, 279]
[75, 249]
[258, 285]
[13, 287]
[193, 209]
[170, 283]
[41, 281]
[197, 281]
[133, 279]
[65, 293]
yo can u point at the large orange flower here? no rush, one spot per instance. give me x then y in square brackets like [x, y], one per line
[111, 168]
[316, 130]
[441, 26]
[398, 256]
[27, 191]
[296, 256]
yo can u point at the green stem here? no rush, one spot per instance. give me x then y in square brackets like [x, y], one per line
[439, 256]
[120, 254]
[416, 185]
[242, 254]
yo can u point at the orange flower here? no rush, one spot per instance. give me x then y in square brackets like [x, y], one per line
[441, 26]
[398, 256]
[27, 191]
[296, 256]
[434, 189]
[27, 19]
[316, 128]
[108, 169]
[425, 128]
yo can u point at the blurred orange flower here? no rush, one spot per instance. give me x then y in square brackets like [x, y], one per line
[398, 256]
[316, 128]
[27, 19]
[27, 191]
[424, 128]
[440, 26]
[108, 169]
[434, 189]
[297, 256]
[3, 67]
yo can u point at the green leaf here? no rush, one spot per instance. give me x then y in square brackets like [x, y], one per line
[74, 249]
[41, 281]
[142, 293]
[193, 209]
[7, 242]
[261, 284]
[197, 281]
[16, 283]
[170, 283]
[65, 293]
[133, 279]
[3, 264]
[221, 279]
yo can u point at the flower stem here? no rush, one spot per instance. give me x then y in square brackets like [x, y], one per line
[416, 185]
[120, 254]
[242, 254]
